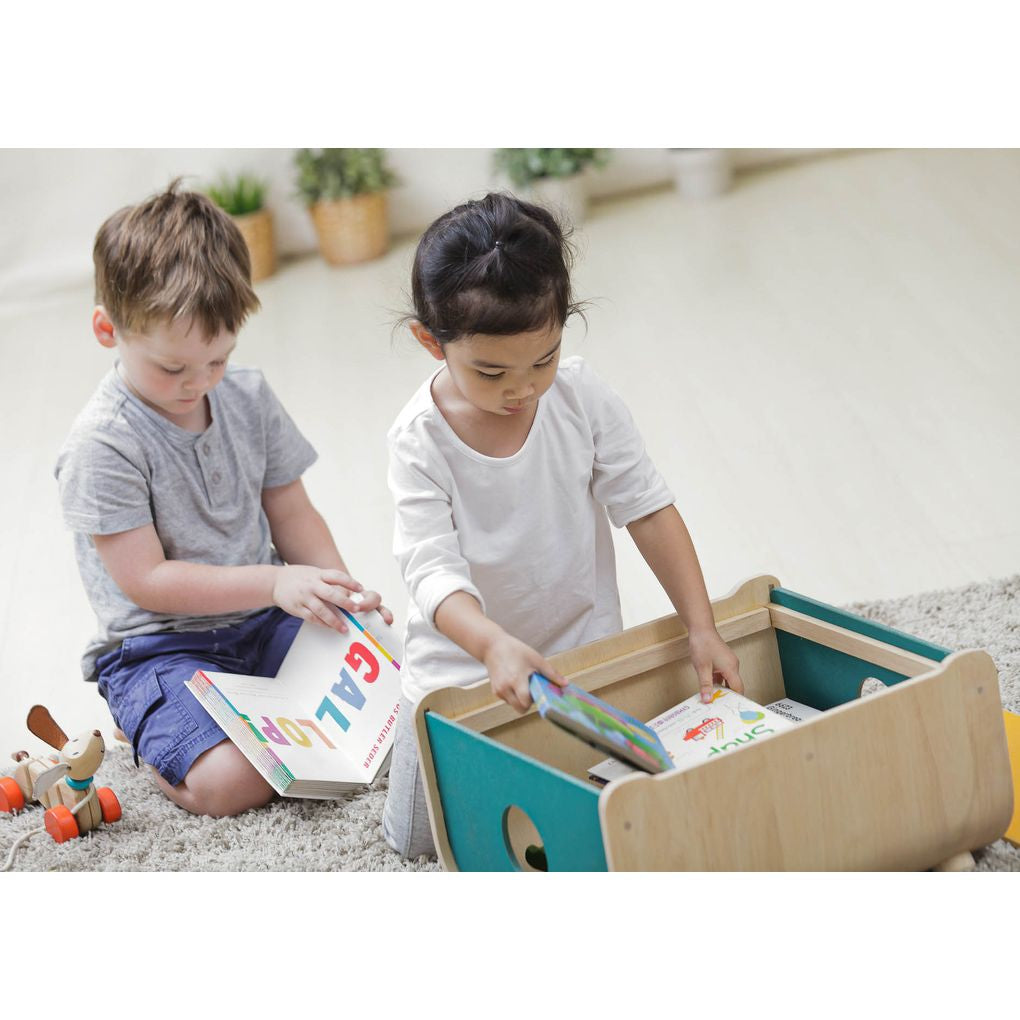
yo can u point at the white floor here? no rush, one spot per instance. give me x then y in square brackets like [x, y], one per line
[824, 364]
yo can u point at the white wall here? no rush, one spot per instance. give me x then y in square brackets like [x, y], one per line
[53, 200]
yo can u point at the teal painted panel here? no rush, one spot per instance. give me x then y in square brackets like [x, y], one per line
[822, 677]
[857, 624]
[479, 779]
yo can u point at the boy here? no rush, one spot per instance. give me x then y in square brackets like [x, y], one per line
[181, 480]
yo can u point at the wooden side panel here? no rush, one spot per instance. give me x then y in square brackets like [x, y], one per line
[903, 779]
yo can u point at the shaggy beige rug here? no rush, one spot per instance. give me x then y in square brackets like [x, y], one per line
[345, 835]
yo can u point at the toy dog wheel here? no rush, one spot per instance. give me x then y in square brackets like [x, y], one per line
[109, 804]
[11, 797]
[60, 823]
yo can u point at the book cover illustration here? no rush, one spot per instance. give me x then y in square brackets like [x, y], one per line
[324, 724]
[599, 724]
[694, 732]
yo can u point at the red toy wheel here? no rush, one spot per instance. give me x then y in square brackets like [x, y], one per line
[60, 823]
[11, 797]
[109, 804]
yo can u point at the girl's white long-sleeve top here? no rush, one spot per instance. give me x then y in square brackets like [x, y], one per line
[526, 535]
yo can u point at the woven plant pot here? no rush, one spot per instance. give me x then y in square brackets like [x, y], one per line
[352, 229]
[257, 230]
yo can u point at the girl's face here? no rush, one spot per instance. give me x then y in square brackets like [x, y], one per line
[501, 375]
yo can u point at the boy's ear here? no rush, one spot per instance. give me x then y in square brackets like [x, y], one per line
[427, 340]
[103, 327]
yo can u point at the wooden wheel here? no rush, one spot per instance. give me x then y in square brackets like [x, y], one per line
[11, 797]
[60, 823]
[109, 804]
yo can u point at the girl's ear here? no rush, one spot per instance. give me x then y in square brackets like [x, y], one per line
[427, 340]
[102, 326]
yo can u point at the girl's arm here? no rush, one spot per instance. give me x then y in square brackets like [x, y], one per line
[664, 542]
[438, 578]
[510, 662]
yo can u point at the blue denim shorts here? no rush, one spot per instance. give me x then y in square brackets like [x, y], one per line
[143, 683]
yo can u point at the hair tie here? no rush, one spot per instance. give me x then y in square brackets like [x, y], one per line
[499, 244]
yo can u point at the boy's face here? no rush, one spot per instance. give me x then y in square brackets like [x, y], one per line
[171, 366]
[503, 375]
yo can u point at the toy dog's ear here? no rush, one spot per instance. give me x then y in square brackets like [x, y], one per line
[46, 779]
[41, 723]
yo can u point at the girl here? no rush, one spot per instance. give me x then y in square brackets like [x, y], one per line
[507, 467]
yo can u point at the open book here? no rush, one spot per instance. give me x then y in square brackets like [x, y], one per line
[324, 724]
[693, 732]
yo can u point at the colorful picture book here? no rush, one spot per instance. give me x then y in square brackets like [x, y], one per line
[324, 724]
[599, 724]
[694, 732]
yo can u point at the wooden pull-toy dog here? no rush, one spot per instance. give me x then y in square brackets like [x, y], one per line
[61, 783]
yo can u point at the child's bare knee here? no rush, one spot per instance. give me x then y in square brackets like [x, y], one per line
[222, 783]
[235, 800]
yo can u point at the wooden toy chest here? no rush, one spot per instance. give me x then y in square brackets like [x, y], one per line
[907, 778]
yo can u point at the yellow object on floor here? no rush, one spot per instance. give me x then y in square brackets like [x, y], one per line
[1013, 742]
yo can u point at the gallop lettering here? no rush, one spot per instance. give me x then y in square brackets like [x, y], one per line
[346, 689]
[359, 655]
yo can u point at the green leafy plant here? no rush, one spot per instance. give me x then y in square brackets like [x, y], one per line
[239, 194]
[523, 166]
[329, 174]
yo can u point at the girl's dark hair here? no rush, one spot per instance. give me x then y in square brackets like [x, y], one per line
[496, 266]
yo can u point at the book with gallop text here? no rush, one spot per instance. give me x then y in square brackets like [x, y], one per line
[324, 725]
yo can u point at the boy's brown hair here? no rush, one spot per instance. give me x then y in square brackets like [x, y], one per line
[176, 255]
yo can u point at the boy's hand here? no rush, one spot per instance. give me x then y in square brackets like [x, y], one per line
[310, 594]
[373, 600]
[510, 662]
[714, 662]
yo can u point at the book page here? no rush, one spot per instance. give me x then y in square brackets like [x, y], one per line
[330, 713]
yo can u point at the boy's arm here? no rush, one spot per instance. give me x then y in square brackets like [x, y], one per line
[664, 542]
[136, 562]
[299, 532]
[301, 536]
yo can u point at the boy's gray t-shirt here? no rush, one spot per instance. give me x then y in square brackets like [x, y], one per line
[124, 466]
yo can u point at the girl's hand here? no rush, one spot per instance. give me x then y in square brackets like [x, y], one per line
[510, 663]
[310, 593]
[714, 662]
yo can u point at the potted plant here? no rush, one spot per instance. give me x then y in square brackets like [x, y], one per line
[243, 197]
[554, 177]
[701, 173]
[345, 191]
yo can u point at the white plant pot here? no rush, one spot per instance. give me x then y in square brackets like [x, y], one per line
[701, 173]
[566, 197]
